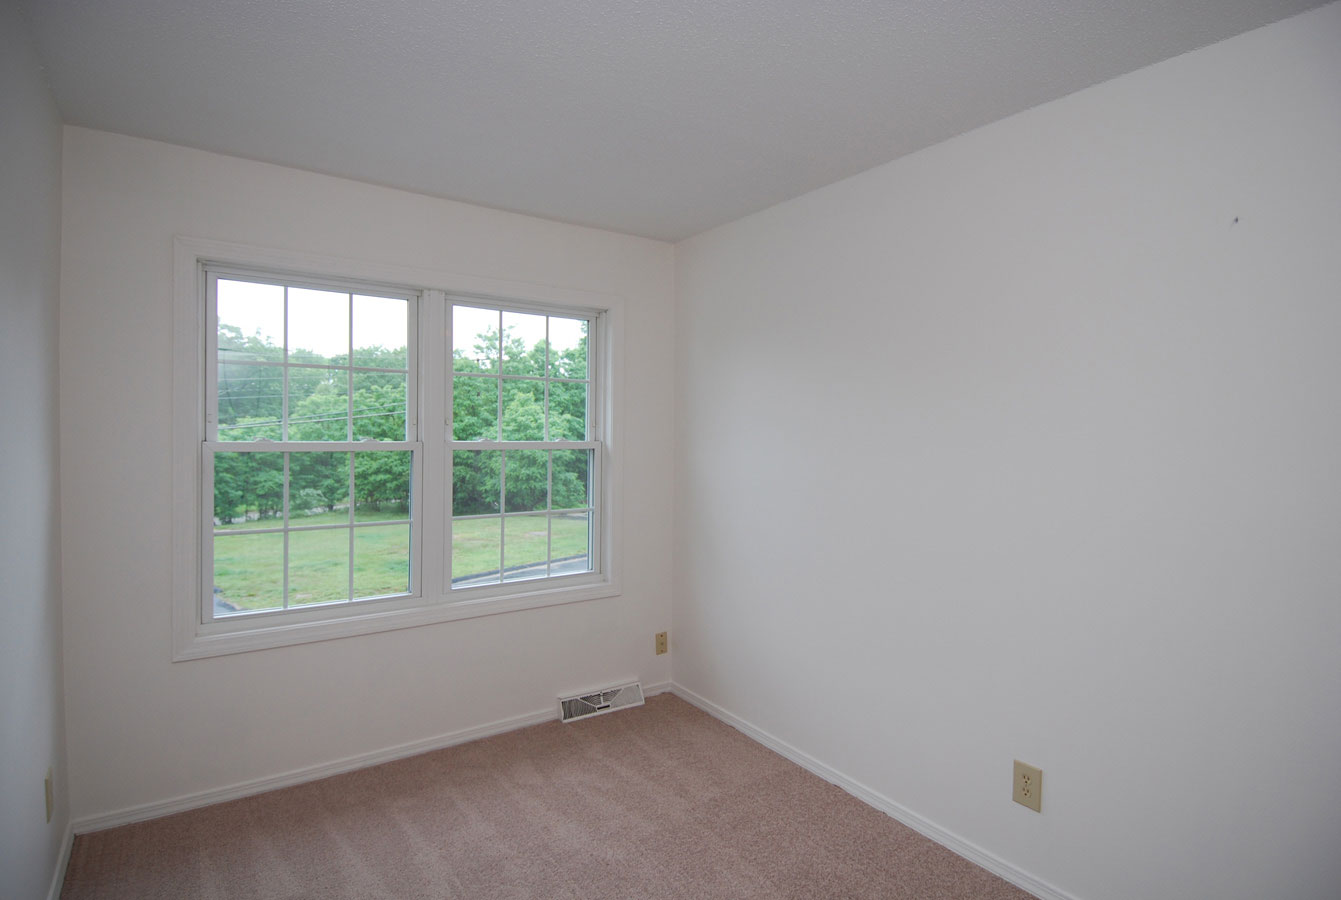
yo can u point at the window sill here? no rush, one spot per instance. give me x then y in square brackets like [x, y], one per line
[225, 638]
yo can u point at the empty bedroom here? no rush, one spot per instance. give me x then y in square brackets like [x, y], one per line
[750, 449]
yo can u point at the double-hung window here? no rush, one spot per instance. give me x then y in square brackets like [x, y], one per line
[365, 448]
[525, 454]
[311, 445]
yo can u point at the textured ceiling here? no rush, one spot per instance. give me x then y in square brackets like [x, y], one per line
[654, 117]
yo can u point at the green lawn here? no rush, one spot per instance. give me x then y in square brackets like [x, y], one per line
[475, 542]
[249, 568]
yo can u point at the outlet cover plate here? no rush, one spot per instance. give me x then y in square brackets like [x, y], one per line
[1028, 790]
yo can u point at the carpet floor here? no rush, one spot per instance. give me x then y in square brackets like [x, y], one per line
[660, 801]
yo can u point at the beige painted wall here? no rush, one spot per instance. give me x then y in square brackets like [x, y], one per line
[32, 718]
[1026, 446]
[145, 730]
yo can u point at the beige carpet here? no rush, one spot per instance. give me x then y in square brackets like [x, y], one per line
[659, 801]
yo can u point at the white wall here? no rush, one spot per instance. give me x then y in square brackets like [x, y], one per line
[144, 730]
[1029, 446]
[32, 721]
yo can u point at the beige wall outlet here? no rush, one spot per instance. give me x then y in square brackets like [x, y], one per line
[662, 643]
[1028, 786]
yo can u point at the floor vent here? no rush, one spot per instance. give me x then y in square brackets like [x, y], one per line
[594, 703]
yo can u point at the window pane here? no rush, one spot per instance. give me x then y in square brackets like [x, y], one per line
[381, 485]
[251, 321]
[474, 339]
[248, 573]
[381, 560]
[474, 409]
[318, 326]
[567, 348]
[524, 344]
[523, 410]
[303, 364]
[525, 480]
[379, 406]
[318, 566]
[475, 482]
[318, 488]
[381, 332]
[318, 404]
[476, 549]
[248, 490]
[571, 479]
[525, 547]
[570, 544]
[251, 402]
[567, 411]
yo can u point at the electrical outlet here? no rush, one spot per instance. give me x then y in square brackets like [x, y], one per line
[1028, 786]
[51, 794]
[662, 643]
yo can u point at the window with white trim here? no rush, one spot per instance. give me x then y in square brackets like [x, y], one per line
[360, 454]
[525, 460]
[311, 444]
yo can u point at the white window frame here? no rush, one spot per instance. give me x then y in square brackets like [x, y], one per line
[593, 441]
[211, 273]
[432, 599]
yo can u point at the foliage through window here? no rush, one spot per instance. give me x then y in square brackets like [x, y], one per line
[311, 457]
[524, 462]
[375, 457]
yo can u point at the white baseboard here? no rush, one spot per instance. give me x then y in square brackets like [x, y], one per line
[951, 841]
[148, 811]
[62, 863]
[311, 773]
[660, 687]
[947, 839]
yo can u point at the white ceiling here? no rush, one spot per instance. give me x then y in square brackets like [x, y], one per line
[653, 117]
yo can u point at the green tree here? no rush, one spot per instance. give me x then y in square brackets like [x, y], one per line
[318, 481]
[247, 483]
[322, 415]
[475, 416]
[382, 478]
